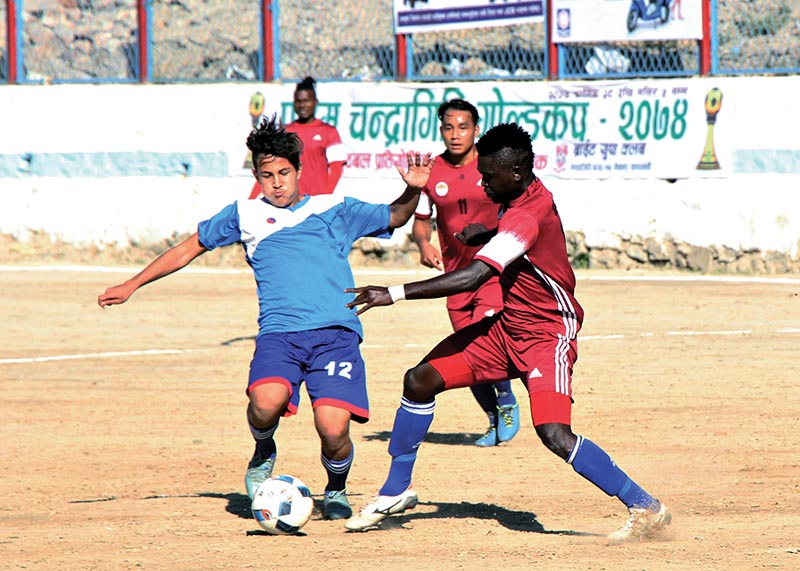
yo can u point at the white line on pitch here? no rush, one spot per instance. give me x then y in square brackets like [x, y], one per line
[724, 279]
[97, 355]
[741, 332]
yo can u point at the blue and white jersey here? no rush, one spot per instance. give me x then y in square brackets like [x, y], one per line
[299, 256]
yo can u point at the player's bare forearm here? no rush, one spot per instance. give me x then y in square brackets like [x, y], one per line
[429, 255]
[402, 208]
[421, 230]
[465, 279]
[170, 261]
[469, 278]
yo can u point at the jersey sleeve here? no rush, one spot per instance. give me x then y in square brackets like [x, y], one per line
[366, 219]
[221, 229]
[424, 209]
[515, 236]
[335, 150]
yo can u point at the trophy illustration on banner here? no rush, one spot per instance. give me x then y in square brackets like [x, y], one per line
[713, 104]
[256, 110]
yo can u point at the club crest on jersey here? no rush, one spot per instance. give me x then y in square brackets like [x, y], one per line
[441, 188]
[271, 220]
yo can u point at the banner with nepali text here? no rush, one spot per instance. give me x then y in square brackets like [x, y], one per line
[619, 129]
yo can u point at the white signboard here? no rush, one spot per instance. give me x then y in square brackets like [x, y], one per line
[414, 16]
[677, 128]
[625, 20]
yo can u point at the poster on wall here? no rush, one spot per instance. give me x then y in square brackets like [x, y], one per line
[415, 16]
[623, 129]
[593, 21]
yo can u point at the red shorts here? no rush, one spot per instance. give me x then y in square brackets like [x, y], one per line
[485, 302]
[484, 353]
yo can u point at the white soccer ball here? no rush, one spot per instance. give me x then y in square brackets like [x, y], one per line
[282, 505]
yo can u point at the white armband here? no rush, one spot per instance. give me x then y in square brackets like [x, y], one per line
[397, 293]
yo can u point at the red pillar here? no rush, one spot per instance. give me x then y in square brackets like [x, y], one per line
[144, 40]
[268, 72]
[402, 61]
[11, 40]
[705, 41]
[551, 50]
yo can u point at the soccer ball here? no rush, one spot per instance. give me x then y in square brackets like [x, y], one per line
[282, 505]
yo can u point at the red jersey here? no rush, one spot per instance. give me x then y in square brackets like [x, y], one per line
[458, 196]
[321, 145]
[530, 251]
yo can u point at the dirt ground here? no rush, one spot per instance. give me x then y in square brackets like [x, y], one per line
[124, 439]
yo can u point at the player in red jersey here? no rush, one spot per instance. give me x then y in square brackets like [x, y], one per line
[324, 154]
[455, 190]
[534, 338]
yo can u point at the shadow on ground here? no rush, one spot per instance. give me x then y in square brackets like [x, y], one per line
[238, 340]
[239, 505]
[510, 519]
[451, 438]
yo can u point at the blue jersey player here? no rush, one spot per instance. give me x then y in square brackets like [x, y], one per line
[297, 246]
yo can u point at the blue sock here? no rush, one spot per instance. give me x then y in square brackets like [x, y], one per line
[504, 395]
[591, 462]
[411, 424]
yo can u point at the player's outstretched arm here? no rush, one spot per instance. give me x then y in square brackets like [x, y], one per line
[170, 261]
[416, 177]
[457, 281]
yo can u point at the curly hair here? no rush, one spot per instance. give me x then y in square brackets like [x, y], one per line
[510, 143]
[459, 105]
[270, 138]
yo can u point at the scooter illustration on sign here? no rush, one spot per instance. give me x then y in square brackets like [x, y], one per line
[647, 10]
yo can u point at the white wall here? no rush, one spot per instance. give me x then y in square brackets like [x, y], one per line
[55, 124]
[750, 211]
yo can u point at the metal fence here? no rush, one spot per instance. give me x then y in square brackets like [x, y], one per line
[165, 41]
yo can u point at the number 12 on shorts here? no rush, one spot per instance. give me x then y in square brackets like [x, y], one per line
[344, 369]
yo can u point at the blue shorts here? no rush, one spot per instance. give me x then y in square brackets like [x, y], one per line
[327, 360]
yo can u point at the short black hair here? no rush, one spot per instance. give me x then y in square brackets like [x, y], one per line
[270, 138]
[459, 105]
[510, 142]
[308, 83]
